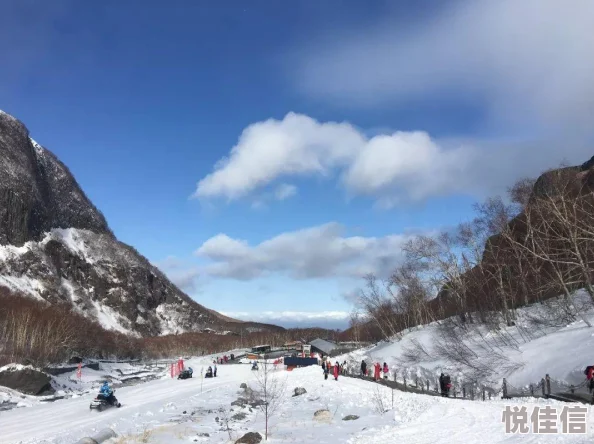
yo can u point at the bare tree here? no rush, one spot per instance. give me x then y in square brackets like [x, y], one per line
[271, 390]
[355, 325]
[559, 237]
[377, 301]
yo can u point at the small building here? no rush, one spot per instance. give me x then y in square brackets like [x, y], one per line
[323, 347]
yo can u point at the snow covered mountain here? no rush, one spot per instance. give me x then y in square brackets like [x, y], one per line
[56, 246]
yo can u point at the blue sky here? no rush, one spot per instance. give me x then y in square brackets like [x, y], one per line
[265, 154]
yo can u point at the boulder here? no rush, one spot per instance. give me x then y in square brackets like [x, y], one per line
[323, 415]
[26, 380]
[350, 418]
[299, 391]
[250, 438]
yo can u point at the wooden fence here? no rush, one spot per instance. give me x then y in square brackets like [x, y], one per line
[547, 387]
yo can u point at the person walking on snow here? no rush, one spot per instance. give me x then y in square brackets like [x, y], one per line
[363, 368]
[326, 370]
[386, 370]
[336, 371]
[377, 368]
[215, 371]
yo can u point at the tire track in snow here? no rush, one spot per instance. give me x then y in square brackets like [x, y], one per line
[71, 419]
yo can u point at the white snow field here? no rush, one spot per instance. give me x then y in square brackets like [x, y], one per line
[183, 411]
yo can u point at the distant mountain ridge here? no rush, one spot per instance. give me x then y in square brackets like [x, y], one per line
[56, 246]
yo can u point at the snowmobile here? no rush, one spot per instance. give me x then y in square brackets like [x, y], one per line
[185, 374]
[208, 373]
[101, 403]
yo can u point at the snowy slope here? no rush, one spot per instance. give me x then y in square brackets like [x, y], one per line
[561, 351]
[102, 279]
[172, 411]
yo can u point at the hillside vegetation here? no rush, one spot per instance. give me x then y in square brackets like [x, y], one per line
[536, 245]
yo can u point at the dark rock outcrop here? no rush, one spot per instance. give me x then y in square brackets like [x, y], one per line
[56, 246]
[299, 391]
[37, 191]
[250, 438]
[27, 380]
[350, 418]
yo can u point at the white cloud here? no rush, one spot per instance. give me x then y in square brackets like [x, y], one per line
[285, 191]
[296, 145]
[410, 161]
[316, 252]
[527, 59]
[294, 319]
[392, 168]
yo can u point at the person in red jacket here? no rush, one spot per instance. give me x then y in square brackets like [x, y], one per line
[377, 369]
[336, 370]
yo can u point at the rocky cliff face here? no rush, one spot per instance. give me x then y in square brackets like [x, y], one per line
[57, 247]
[37, 192]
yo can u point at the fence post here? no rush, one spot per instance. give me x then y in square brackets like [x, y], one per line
[416, 381]
[504, 388]
[483, 393]
[404, 378]
[489, 395]
[532, 390]
[472, 392]
[428, 388]
[548, 378]
[463, 392]
[542, 386]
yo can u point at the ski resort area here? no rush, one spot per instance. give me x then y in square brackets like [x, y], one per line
[297, 222]
[179, 401]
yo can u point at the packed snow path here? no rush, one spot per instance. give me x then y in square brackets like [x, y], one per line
[159, 406]
[142, 405]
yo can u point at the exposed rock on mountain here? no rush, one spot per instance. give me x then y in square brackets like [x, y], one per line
[57, 247]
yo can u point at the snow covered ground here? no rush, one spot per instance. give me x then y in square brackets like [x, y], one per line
[195, 410]
[167, 410]
[561, 351]
[68, 385]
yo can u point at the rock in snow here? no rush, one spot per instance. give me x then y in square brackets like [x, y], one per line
[250, 438]
[26, 380]
[299, 391]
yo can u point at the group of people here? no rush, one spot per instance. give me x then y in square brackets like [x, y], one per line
[211, 371]
[225, 359]
[336, 369]
[377, 370]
